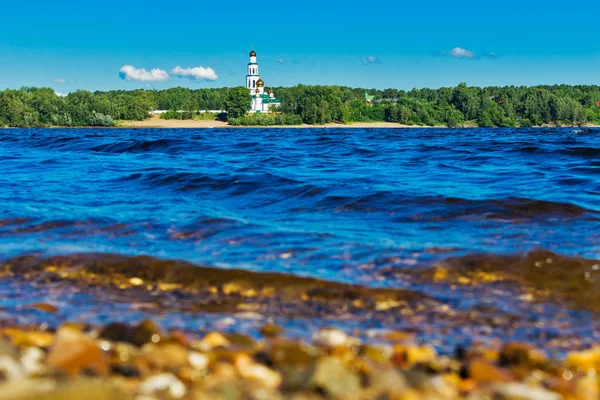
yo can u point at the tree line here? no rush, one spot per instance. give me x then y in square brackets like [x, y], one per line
[490, 106]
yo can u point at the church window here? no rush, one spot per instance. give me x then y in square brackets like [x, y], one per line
[253, 84]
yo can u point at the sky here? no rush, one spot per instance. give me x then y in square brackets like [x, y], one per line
[71, 45]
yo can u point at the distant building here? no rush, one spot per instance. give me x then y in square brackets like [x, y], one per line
[261, 101]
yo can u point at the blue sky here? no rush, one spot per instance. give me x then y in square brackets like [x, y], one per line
[71, 45]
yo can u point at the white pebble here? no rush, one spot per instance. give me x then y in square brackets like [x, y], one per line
[163, 383]
[198, 360]
[32, 360]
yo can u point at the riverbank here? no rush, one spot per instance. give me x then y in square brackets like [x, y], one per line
[156, 122]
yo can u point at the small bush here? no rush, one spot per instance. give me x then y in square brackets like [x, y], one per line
[97, 119]
[266, 120]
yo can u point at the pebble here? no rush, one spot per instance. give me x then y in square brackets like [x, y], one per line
[10, 368]
[211, 341]
[74, 352]
[198, 360]
[336, 379]
[520, 391]
[163, 383]
[32, 361]
[332, 338]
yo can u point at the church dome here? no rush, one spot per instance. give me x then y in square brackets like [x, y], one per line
[260, 83]
[252, 53]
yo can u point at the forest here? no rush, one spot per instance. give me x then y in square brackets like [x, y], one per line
[459, 106]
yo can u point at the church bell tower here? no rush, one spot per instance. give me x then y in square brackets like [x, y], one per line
[252, 77]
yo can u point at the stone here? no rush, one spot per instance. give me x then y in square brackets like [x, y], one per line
[6, 349]
[32, 361]
[241, 340]
[409, 355]
[388, 383]
[10, 368]
[163, 384]
[258, 374]
[23, 338]
[520, 391]
[74, 353]
[198, 360]
[136, 281]
[484, 372]
[331, 338]
[271, 330]
[584, 360]
[116, 332]
[165, 356]
[45, 307]
[336, 379]
[521, 355]
[211, 340]
[146, 332]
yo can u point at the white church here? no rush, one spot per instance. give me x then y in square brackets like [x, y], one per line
[261, 101]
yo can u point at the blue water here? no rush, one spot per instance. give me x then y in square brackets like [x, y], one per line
[339, 204]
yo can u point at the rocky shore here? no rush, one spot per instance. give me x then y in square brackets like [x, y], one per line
[117, 327]
[121, 361]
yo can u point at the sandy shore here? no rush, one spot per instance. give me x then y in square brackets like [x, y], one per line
[156, 122]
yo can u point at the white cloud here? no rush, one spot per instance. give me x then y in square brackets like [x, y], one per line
[130, 73]
[491, 54]
[459, 52]
[369, 60]
[59, 94]
[60, 81]
[196, 73]
[281, 61]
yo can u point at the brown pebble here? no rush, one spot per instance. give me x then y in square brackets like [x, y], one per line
[74, 353]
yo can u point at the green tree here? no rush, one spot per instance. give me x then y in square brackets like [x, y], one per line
[238, 102]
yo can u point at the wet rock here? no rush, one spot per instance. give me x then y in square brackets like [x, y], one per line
[241, 340]
[243, 288]
[409, 355]
[135, 281]
[74, 353]
[521, 355]
[271, 330]
[116, 332]
[163, 384]
[336, 379]
[45, 307]
[211, 341]
[146, 331]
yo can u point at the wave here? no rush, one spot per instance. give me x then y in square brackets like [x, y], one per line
[445, 208]
[593, 152]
